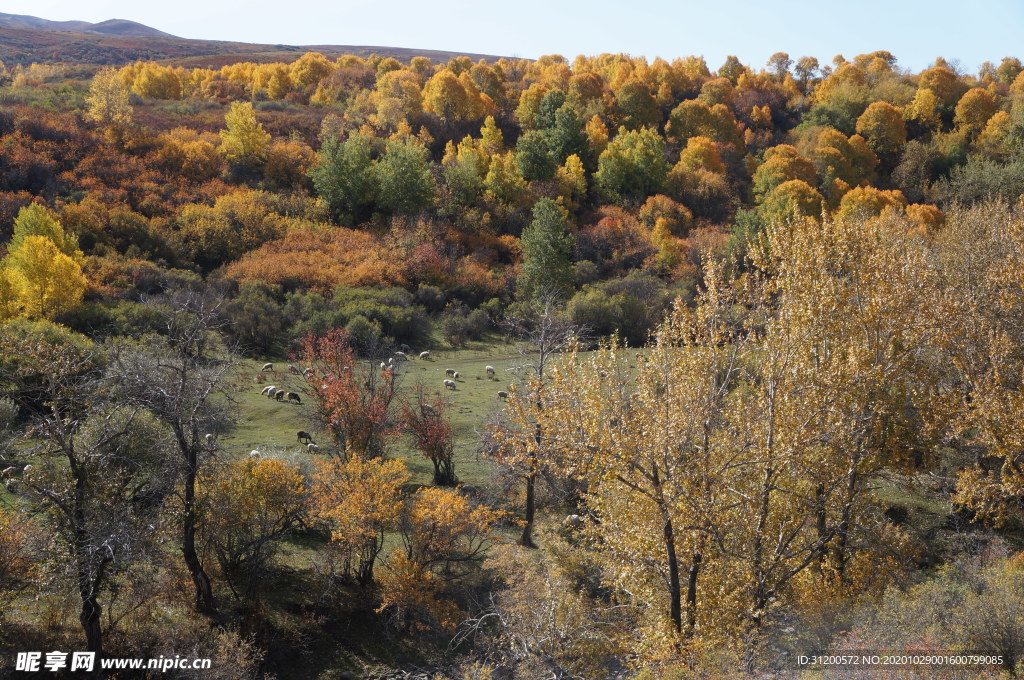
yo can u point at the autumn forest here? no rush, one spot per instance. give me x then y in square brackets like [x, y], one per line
[357, 367]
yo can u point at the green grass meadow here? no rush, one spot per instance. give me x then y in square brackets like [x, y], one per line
[270, 426]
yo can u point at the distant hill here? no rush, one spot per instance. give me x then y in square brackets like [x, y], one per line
[121, 27]
[26, 39]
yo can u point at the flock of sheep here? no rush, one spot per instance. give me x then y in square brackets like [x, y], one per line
[451, 381]
[280, 394]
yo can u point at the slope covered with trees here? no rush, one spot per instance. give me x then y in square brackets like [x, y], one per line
[768, 390]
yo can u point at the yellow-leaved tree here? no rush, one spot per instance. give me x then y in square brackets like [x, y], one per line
[108, 99]
[244, 142]
[248, 506]
[42, 273]
[728, 469]
[444, 536]
[359, 500]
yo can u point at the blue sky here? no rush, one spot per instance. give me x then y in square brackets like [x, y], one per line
[916, 32]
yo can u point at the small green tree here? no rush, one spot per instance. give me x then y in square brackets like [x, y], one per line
[343, 176]
[533, 156]
[547, 252]
[633, 165]
[403, 177]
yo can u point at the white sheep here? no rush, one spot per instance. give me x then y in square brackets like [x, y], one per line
[268, 367]
[312, 448]
[209, 439]
[383, 365]
[268, 389]
[6, 472]
[490, 371]
[27, 469]
[450, 372]
[255, 454]
[401, 356]
[425, 354]
[272, 392]
[450, 384]
[456, 375]
[293, 369]
[502, 394]
[573, 523]
[306, 371]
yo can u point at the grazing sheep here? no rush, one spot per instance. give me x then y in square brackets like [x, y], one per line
[292, 396]
[272, 392]
[401, 356]
[383, 365]
[425, 354]
[302, 434]
[456, 375]
[312, 448]
[306, 371]
[6, 473]
[27, 469]
[427, 408]
[268, 389]
[490, 371]
[293, 369]
[572, 523]
[209, 439]
[450, 372]
[450, 384]
[502, 394]
[280, 395]
[268, 367]
[255, 454]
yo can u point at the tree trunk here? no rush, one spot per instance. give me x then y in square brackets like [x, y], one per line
[821, 520]
[90, 620]
[669, 534]
[757, 568]
[526, 539]
[444, 471]
[204, 591]
[675, 589]
[691, 594]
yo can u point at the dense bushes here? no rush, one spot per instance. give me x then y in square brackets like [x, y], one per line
[266, 321]
[629, 307]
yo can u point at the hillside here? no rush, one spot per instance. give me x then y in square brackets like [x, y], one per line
[612, 369]
[27, 39]
[121, 27]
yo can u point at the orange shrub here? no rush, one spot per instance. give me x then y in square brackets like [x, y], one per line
[322, 261]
